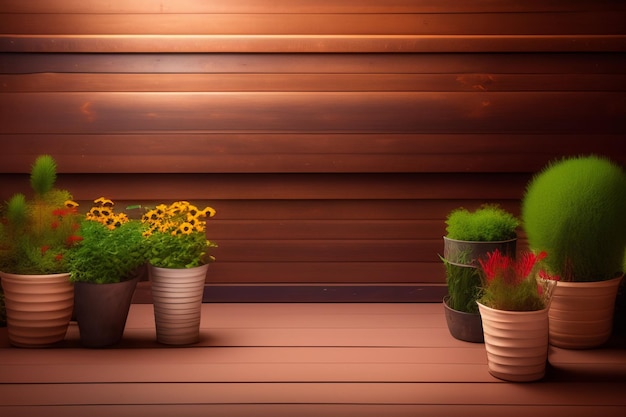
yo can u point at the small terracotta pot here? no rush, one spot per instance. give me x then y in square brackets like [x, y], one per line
[38, 307]
[516, 343]
[177, 295]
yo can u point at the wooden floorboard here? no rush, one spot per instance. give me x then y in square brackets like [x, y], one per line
[301, 359]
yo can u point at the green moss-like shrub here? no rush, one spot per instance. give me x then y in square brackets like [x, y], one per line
[489, 223]
[575, 210]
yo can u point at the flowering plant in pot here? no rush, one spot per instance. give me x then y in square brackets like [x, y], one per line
[470, 236]
[36, 236]
[514, 301]
[105, 267]
[176, 235]
[574, 209]
[178, 253]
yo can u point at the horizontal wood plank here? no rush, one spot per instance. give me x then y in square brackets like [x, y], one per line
[550, 112]
[216, 187]
[374, 393]
[311, 43]
[77, 82]
[304, 6]
[319, 23]
[297, 152]
[558, 63]
[224, 272]
[312, 410]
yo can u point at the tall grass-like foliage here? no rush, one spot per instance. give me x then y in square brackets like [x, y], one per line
[36, 234]
[463, 287]
[43, 175]
[575, 210]
[489, 223]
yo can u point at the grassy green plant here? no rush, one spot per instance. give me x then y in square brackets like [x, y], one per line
[488, 223]
[575, 209]
[513, 285]
[112, 249]
[463, 287]
[37, 234]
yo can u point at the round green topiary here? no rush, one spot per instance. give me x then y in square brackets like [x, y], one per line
[575, 210]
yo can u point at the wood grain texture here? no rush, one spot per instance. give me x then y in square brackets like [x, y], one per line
[276, 359]
[311, 43]
[332, 137]
[331, 112]
[305, 6]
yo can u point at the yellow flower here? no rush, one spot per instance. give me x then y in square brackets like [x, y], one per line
[154, 215]
[209, 211]
[71, 204]
[104, 202]
[94, 212]
[185, 228]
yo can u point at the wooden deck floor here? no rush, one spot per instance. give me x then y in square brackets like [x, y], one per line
[301, 360]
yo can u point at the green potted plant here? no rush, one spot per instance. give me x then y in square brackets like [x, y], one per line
[105, 268]
[470, 235]
[179, 254]
[36, 235]
[574, 209]
[514, 301]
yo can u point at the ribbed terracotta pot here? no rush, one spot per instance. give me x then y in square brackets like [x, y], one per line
[38, 307]
[516, 343]
[177, 295]
[101, 311]
[581, 313]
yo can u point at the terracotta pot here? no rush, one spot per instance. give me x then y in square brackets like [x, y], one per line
[516, 343]
[177, 295]
[101, 311]
[581, 313]
[38, 307]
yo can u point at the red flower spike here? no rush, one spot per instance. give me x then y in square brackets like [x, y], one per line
[495, 264]
[526, 264]
[71, 240]
[60, 212]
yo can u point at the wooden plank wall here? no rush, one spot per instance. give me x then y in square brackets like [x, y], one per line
[332, 136]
